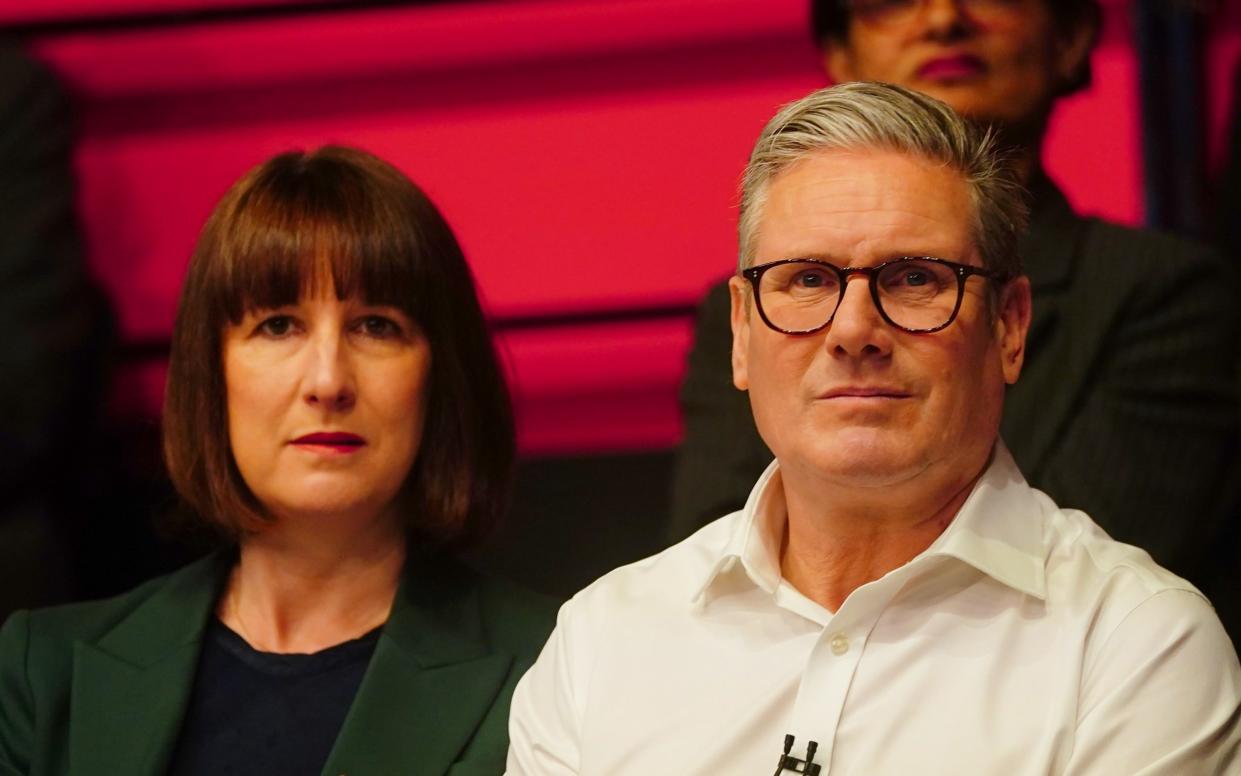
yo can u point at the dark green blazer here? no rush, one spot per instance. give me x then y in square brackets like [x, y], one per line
[1126, 407]
[101, 687]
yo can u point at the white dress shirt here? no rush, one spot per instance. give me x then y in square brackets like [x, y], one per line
[1022, 641]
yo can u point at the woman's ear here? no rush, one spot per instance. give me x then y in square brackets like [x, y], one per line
[838, 62]
[1073, 47]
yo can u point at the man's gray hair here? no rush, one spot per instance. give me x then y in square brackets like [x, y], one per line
[863, 116]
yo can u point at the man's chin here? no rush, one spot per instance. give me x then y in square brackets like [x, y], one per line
[873, 459]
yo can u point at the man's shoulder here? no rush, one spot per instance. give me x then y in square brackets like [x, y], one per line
[1140, 248]
[670, 578]
[1092, 572]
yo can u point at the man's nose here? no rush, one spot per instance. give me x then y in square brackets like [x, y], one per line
[858, 328]
[329, 377]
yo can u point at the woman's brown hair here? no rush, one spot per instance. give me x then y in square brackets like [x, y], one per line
[338, 213]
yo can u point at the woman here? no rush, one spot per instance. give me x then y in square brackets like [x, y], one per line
[335, 408]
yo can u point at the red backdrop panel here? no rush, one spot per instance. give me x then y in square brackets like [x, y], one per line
[587, 152]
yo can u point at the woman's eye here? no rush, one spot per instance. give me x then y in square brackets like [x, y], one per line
[276, 326]
[379, 327]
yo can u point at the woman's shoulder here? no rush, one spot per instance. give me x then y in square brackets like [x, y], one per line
[55, 628]
[516, 616]
[512, 618]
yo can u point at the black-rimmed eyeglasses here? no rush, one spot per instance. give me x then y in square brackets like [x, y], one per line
[918, 294]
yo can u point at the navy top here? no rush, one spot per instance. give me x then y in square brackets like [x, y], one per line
[254, 712]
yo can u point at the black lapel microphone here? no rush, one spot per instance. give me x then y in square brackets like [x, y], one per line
[793, 765]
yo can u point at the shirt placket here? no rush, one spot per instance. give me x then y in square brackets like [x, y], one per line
[830, 670]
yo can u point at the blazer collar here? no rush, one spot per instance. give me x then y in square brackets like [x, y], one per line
[432, 678]
[130, 687]
[430, 682]
[1047, 249]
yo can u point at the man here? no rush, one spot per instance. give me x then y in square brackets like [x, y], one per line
[1128, 405]
[893, 591]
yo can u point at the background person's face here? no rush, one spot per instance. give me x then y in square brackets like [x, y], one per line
[326, 401]
[861, 403]
[1004, 66]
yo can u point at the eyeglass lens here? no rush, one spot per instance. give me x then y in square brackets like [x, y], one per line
[913, 293]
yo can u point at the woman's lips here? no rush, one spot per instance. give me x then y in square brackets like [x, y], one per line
[336, 442]
[952, 68]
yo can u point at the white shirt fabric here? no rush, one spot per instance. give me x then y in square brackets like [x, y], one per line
[1022, 641]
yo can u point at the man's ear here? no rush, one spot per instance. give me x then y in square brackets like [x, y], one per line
[739, 293]
[1011, 325]
[838, 62]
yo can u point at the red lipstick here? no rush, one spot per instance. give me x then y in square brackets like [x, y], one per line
[951, 68]
[338, 442]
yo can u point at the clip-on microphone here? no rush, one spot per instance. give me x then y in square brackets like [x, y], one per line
[793, 765]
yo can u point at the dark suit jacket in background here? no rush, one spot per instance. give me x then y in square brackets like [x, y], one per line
[100, 689]
[1126, 407]
[55, 332]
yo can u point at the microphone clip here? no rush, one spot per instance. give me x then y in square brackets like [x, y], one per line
[793, 764]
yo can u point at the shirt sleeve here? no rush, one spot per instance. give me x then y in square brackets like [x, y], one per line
[1162, 696]
[545, 719]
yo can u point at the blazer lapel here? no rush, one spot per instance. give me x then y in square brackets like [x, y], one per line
[432, 679]
[130, 688]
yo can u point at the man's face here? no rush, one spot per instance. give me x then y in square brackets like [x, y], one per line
[862, 403]
[995, 60]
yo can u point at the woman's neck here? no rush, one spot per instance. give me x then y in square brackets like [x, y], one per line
[301, 591]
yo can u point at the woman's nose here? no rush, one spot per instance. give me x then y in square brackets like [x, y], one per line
[941, 15]
[329, 382]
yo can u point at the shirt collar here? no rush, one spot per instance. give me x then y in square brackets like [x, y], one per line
[997, 531]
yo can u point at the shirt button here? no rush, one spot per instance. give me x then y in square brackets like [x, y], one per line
[839, 644]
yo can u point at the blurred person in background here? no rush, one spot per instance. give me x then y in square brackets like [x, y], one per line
[55, 334]
[335, 409]
[1127, 407]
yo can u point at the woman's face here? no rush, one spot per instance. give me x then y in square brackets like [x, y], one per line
[326, 401]
[995, 60]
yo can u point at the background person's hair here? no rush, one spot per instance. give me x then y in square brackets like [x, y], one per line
[829, 24]
[864, 116]
[346, 218]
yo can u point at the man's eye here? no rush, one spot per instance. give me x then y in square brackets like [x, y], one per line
[810, 279]
[275, 326]
[915, 278]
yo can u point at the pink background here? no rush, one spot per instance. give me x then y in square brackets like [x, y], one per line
[586, 151]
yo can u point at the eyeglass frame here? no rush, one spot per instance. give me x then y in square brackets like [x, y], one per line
[963, 273]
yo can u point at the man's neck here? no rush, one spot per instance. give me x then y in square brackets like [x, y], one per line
[830, 551]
